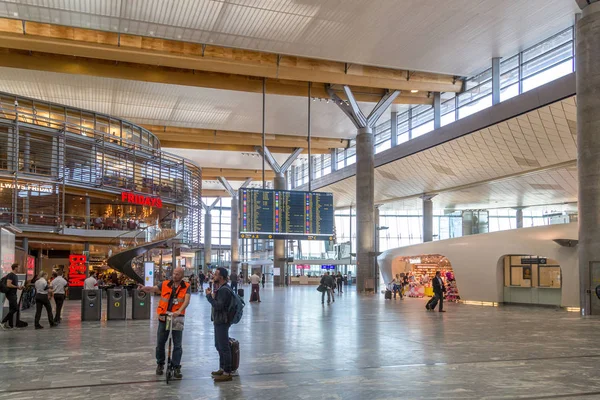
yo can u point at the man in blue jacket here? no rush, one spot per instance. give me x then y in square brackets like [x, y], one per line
[220, 300]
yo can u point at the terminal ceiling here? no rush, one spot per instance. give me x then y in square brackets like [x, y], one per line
[524, 161]
[440, 36]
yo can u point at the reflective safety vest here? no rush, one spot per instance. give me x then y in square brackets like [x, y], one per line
[165, 295]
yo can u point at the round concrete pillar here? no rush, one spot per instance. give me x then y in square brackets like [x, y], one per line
[588, 150]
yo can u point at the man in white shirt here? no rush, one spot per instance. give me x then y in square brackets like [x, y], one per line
[90, 283]
[255, 281]
[58, 288]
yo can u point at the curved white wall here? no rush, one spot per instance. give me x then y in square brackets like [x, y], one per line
[475, 259]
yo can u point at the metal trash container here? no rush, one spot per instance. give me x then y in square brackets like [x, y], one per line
[140, 305]
[91, 305]
[116, 305]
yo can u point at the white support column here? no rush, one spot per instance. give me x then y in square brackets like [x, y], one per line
[437, 110]
[235, 226]
[588, 147]
[394, 129]
[495, 80]
[208, 233]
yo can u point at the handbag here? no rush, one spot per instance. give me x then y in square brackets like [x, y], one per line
[321, 288]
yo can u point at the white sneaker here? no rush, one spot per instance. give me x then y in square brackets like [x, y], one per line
[235, 373]
[5, 326]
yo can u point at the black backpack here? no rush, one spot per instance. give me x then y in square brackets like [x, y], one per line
[3, 285]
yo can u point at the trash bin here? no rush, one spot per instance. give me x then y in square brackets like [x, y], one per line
[91, 305]
[116, 305]
[140, 305]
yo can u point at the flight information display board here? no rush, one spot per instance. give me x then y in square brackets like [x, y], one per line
[285, 214]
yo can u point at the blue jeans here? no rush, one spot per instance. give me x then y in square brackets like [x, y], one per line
[234, 286]
[222, 345]
[161, 339]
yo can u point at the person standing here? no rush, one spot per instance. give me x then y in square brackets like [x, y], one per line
[58, 288]
[263, 279]
[42, 299]
[340, 282]
[174, 298]
[233, 278]
[201, 279]
[193, 283]
[327, 283]
[220, 300]
[255, 281]
[91, 283]
[12, 285]
[438, 293]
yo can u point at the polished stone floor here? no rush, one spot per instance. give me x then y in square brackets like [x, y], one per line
[292, 347]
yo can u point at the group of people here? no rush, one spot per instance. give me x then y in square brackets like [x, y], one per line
[328, 285]
[44, 292]
[174, 300]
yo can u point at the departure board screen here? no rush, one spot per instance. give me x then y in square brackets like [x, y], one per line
[285, 214]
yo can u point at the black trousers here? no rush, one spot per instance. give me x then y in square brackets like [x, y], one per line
[42, 300]
[13, 307]
[434, 300]
[59, 299]
[339, 285]
[234, 286]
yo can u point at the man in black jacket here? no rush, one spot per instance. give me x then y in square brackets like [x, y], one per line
[438, 293]
[12, 285]
[220, 300]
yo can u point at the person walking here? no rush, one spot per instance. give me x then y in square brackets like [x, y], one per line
[438, 293]
[327, 282]
[174, 298]
[42, 299]
[263, 279]
[220, 300]
[396, 286]
[58, 286]
[12, 285]
[233, 278]
[340, 282]
[255, 281]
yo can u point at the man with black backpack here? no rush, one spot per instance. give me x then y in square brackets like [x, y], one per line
[227, 309]
[9, 285]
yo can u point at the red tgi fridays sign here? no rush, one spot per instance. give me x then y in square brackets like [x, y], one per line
[77, 266]
[141, 200]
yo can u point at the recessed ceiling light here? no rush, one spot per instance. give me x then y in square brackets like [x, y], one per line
[15, 14]
[414, 91]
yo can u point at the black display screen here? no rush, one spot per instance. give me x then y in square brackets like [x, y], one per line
[285, 214]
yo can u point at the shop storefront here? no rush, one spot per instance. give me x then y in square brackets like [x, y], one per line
[421, 269]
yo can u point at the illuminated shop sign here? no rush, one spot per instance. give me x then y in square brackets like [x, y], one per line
[141, 200]
[77, 266]
[31, 187]
[415, 260]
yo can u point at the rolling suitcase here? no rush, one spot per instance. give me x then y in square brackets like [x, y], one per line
[388, 294]
[235, 354]
[241, 292]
